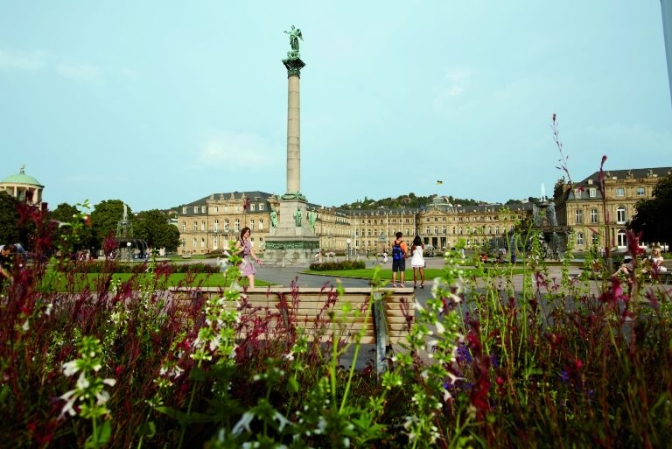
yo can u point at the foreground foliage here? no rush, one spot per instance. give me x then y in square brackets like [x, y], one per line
[129, 365]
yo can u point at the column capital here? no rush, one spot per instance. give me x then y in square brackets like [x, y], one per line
[294, 66]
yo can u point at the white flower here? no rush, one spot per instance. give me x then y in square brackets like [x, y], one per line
[69, 397]
[281, 419]
[82, 382]
[26, 326]
[110, 382]
[244, 423]
[70, 368]
[102, 397]
[440, 329]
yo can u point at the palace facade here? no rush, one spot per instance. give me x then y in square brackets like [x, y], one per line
[210, 223]
[594, 218]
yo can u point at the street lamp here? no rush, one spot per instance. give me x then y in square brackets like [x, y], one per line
[348, 242]
[183, 242]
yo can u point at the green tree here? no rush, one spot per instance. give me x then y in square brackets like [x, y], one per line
[64, 216]
[155, 229]
[105, 218]
[654, 216]
[9, 219]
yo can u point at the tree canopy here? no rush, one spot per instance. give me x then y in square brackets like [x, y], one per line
[654, 216]
[155, 229]
[9, 219]
[404, 201]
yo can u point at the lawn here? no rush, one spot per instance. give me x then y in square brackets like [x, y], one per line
[430, 273]
[60, 281]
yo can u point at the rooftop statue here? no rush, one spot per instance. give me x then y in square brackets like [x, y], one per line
[294, 36]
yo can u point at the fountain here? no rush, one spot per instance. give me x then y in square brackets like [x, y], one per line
[127, 245]
[546, 221]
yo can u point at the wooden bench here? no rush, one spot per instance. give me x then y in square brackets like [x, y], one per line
[279, 312]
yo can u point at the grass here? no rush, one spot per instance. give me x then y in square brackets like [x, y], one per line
[60, 281]
[430, 273]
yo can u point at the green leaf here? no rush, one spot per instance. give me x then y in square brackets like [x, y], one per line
[148, 429]
[292, 385]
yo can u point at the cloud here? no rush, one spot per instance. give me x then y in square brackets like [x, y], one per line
[87, 73]
[233, 151]
[17, 60]
[457, 81]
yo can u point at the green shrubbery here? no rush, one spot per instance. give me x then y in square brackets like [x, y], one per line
[139, 267]
[339, 265]
[548, 365]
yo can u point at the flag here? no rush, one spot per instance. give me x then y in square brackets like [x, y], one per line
[246, 204]
[439, 182]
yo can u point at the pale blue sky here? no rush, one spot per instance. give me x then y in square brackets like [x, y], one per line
[160, 103]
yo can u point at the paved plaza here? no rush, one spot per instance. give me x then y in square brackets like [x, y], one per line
[285, 276]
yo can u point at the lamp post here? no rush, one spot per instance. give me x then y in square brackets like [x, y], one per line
[348, 242]
[183, 242]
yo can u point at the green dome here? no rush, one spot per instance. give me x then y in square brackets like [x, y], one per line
[22, 178]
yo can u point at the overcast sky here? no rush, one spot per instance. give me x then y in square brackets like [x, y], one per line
[160, 103]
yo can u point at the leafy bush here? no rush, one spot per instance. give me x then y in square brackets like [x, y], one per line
[339, 265]
[136, 365]
[108, 266]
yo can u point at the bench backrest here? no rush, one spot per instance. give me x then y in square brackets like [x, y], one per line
[270, 312]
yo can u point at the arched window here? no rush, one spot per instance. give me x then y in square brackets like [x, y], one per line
[622, 240]
[620, 215]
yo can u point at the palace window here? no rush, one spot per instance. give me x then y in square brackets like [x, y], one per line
[195, 209]
[203, 209]
[620, 191]
[226, 224]
[236, 225]
[641, 191]
[184, 226]
[621, 238]
[596, 238]
[202, 225]
[579, 216]
[592, 193]
[579, 238]
[261, 224]
[261, 206]
[195, 226]
[216, 226]
[620, 215]
[202, 242]
[593, 216]
[251, 225]
[252, 207]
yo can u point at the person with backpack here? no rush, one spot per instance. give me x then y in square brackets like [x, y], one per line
[399, 254]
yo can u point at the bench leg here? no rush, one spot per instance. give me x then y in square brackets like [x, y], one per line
[380, 325]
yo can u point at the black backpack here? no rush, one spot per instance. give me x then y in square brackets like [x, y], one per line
[397, 252]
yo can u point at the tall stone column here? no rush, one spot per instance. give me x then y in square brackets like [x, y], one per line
[666, 8]
[293, 241]
[294, 66]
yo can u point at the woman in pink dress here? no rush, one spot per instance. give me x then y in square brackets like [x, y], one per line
[244, 250]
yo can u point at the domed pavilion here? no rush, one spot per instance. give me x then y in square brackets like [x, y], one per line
[23, 187]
